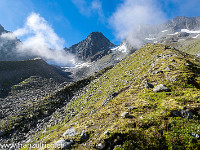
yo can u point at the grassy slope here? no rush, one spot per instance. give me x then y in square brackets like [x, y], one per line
[190, 46]
[152, 116]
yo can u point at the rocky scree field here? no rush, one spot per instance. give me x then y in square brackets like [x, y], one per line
[36, 104]
[150, 100]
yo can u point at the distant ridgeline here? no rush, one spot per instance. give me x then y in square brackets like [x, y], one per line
[13, 72]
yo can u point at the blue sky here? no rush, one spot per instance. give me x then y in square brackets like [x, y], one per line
[73, 20]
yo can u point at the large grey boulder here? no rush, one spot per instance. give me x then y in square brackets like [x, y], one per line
[70, 132]
[182, 113]
[195, 135]
[101, 146]
[125, 115]
[63, 144]
[161, 88]
[148, 85]
[84, 135]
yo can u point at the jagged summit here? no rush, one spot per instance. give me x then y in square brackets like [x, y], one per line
[93, 47]
[182, 22]
[2, 29]
[96, 35]
[174, 30]
[8, 47]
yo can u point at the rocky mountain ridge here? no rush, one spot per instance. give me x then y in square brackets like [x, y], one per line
[14, 72]
[95, 46]
[182, 22]
[176, 29]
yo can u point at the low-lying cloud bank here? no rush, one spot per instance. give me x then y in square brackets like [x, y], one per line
[40, 40]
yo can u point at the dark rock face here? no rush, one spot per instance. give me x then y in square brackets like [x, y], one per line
[39, 103]
[14, 72]
[8, 47]
[182, 22]
[95, 46]
[182, 113]
[148, 85]
[2, 29]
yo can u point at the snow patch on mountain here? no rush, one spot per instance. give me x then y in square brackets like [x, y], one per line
[195, 36]
[121, 48]
[190, 31]
[79, 65]
[164, 31]
[150, 39]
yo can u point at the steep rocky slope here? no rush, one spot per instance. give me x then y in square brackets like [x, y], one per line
[14, 72]
[88, 69]
[188, 45]
[116, 54]
[182, 22]
[95, 46]
[150, 100]
[35, 104]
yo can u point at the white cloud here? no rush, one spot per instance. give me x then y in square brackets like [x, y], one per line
[8, 35]
[132, 13]
[40, 40]
[82, 6]
[96, 6]
[87, 9]
[39, 30]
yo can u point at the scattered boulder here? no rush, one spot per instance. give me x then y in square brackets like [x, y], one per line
[70, 132]
[110, 97]
[187, 64]
[167, 68]
[106, 133]
[173, 79]
[183, 107]
[75, 123]
[125, 115]
[195, 135]
[132, 108]
[173, 60]
[182, 113]
[2, 133]
[101, 146]
[148, 85]
[157, 72]
[161, 88]
[84, 135]
[63, 144]
[186, 113]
